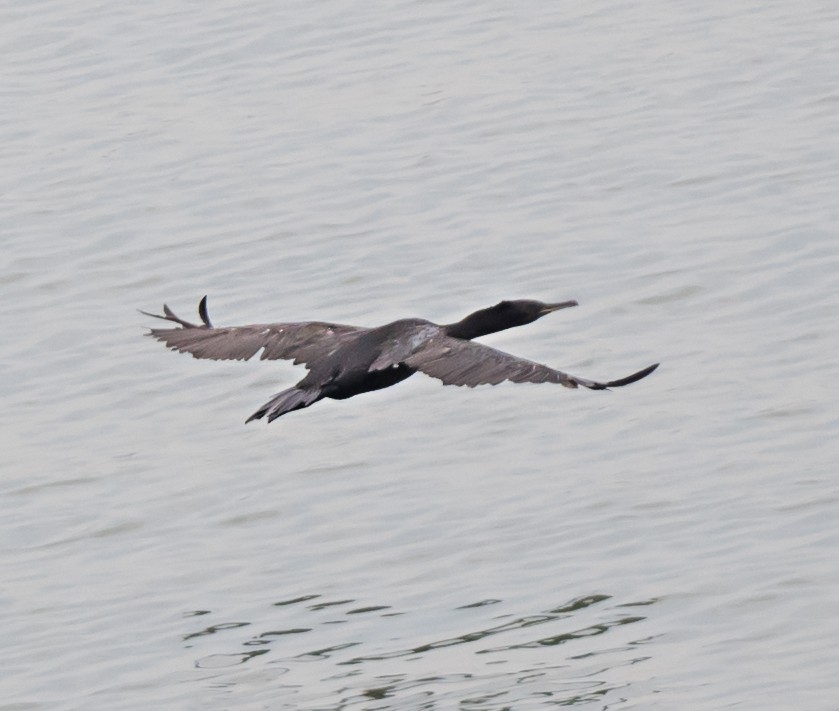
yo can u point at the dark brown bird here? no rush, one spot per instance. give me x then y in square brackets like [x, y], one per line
[344, 361]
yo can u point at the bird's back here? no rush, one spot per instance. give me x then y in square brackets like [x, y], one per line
[377, 349]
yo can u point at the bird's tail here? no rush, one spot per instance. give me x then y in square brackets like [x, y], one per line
[286, 401]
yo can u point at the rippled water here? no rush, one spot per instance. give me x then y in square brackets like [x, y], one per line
[672, 166]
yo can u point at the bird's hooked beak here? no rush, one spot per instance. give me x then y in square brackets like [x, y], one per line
[549, 308]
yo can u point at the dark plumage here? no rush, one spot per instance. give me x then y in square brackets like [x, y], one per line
[344, 361]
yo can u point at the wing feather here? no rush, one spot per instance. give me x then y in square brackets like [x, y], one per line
[459, 362]
[300, 342]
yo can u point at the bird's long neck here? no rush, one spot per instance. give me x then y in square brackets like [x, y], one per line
[477, 324]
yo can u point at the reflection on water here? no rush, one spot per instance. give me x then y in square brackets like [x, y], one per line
[505, 672]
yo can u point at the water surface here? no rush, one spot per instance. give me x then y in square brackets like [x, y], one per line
[669, 545]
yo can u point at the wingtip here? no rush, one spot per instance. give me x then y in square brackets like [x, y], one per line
[634, 378]
[166, 311]
[202, 312]
[169, 315]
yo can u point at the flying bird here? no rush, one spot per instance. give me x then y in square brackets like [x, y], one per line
[344, 361]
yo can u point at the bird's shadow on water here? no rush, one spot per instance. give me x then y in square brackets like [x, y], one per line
[319, 652]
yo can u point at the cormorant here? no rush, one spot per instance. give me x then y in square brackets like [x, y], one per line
[348, 360]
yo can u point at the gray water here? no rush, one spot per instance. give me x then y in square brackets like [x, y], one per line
[670, 545]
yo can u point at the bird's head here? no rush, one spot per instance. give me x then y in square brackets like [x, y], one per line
[523, 311]
[504, 315]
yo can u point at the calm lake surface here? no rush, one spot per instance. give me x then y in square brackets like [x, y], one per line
[670, 545]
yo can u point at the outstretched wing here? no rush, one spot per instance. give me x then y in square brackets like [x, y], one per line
[459, 362]
[300, 342]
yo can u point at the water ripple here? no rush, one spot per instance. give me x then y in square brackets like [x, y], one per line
[669, 545]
